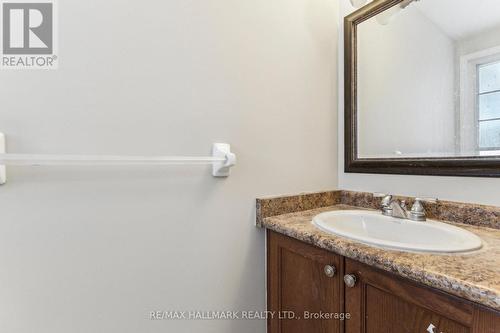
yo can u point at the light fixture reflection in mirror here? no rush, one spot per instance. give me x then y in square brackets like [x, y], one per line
[358, 3]
[386, 16]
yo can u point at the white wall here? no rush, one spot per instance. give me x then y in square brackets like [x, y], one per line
[484, 40]
[475, 190]
[96, 249]
[414, 90]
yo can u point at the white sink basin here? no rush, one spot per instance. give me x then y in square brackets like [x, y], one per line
[392, 233]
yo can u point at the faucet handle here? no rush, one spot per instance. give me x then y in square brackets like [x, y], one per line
[385, 204]
[386, 198]
[417, 212]
[428, 200]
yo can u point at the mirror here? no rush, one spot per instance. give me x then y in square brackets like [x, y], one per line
[423, 87]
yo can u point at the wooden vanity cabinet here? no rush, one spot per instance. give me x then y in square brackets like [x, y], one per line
[301, 281]
[377, 301]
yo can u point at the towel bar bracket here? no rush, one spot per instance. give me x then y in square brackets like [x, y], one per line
[221, 169]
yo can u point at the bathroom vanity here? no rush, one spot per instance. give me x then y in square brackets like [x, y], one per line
[421, 97]
[316, 279]
[303, 278]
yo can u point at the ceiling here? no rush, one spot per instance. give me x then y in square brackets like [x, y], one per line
[461, 19]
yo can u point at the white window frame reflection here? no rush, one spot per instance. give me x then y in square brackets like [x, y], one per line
[468, 120]
[480, 93]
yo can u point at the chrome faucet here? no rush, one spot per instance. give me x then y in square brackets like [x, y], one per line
[396, 208]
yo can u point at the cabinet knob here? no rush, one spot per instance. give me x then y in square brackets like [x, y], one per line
[350, 280]
[330, 270]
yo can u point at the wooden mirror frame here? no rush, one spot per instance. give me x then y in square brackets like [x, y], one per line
[474, 166]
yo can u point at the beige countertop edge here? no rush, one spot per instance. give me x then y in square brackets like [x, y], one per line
[480, 284]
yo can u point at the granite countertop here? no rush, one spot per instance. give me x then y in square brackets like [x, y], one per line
[474, 276]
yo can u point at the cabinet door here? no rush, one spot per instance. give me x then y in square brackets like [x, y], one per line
[380, 303]
[486, 321]
[300, 281]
